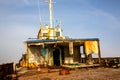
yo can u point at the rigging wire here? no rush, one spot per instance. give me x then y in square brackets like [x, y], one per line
[39, 12]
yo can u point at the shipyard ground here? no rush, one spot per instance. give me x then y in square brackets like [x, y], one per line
[77, 74]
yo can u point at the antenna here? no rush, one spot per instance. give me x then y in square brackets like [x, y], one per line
[39, 13]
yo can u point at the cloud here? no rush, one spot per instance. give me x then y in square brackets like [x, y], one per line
[17, 3]
[109, 17]
[26, 2]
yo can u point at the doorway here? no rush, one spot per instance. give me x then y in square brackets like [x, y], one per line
[56, 57]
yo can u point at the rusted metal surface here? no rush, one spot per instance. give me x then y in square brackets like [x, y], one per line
[46, 54]
[64, 72]
[7, 71]
[112, 62]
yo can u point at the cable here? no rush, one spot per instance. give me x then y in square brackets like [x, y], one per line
[40, 18]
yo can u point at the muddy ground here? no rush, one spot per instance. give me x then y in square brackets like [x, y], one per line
[77, 74]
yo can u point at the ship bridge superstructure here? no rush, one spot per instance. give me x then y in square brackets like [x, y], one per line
[52, 49]
[50, 31]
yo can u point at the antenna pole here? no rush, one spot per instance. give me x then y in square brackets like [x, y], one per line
[50, 9]
[39, 12]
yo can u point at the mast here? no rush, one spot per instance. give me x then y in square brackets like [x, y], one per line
[50, 9]
[50, 32]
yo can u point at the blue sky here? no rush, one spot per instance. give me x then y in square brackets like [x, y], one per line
[19, 20]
